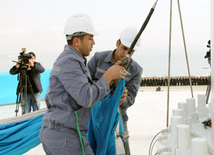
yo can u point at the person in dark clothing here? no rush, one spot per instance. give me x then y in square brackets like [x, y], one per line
[33, 73]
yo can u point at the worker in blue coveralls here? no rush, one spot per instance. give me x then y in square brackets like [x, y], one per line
[71, 92]
[102, 61]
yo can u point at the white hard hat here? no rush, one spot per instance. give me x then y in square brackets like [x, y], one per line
[128, 35]
[79, 23]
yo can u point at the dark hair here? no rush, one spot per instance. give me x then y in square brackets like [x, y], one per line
[32, 54]
[71, 40]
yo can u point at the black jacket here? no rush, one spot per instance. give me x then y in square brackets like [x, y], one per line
[35, 73]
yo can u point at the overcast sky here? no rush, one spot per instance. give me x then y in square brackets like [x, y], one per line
[38, 26]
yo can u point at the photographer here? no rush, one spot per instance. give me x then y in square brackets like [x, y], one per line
[33, 73]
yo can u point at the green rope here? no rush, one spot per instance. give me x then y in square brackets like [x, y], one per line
[79, 132]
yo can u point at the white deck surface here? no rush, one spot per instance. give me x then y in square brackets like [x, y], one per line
[146, 117]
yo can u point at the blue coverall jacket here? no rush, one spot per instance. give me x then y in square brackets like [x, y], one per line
[101, 61]
[70, 89]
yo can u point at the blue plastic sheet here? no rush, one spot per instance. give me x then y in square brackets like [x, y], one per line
[8, 85]
[18, 138]
[103, 122]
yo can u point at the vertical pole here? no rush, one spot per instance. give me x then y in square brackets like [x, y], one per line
[182, 28]
[169, 64]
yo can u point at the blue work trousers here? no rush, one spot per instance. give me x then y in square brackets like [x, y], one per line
[30, 102]
[59, 142]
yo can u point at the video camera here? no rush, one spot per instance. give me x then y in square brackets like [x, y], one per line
[24, 57]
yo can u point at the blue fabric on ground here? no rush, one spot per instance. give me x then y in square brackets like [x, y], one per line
[18, 138]
[8, 85]
[103, 122]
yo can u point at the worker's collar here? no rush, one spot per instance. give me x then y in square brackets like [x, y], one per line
[71, 48]
[110, 57]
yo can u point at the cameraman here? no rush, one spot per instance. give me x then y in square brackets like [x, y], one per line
[34, 78]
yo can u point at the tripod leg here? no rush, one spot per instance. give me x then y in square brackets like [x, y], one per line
[18, 99]
[24, 96]
[22, 91]
[24, 103]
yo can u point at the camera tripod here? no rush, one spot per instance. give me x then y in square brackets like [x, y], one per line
[21, 99]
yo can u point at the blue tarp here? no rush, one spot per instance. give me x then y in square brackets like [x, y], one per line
[8, 85]
[103, 122]
[17, 138]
